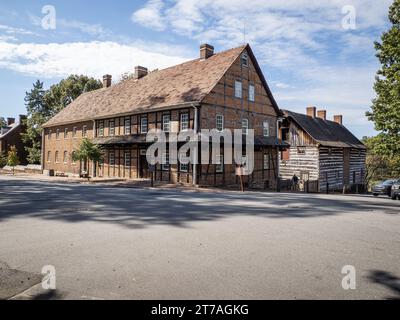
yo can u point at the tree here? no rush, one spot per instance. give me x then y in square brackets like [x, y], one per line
[379, 167]
[386, 106]
[43, 104]
[3, 159]
[12, 159]
[88, 151]
[3, 122]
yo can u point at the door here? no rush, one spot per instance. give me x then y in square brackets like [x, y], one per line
[346, 167]
[144, 168]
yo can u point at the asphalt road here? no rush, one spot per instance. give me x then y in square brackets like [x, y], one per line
[121, 243]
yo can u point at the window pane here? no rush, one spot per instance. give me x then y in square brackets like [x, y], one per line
[127, 126]
[220, 122]
[127, 159]
[112, 128]
[266, 129]
[184, 121]
[166, 123]
[112, 158]
[245, 126]
[266, 161]
[165, 160]
[251, 93]
[245, 60]
[143, 125]
[238, 89]
[220, 166]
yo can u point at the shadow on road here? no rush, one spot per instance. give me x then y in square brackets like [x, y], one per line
[140, 208]
[388, 280]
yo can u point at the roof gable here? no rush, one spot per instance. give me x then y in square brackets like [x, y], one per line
[325, 132]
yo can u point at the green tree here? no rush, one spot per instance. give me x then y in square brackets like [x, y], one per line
[87, 152]
[12, 158]
[385, 111]
[3, 159]
[43, 104]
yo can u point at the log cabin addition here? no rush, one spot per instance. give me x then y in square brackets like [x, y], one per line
[322, 151]
[216, 91]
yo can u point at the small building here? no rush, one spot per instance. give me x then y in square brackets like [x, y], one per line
[10, 135]
[322, 151]
[224, 90]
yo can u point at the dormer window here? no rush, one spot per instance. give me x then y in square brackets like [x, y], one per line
[245, 60]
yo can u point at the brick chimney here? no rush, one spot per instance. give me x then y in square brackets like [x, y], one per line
[10, 121]
[311, 111]
[338, 119]
[140, 72]
[107, 81]
[321, 114]
[206, 51]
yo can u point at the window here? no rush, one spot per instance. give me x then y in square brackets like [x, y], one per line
[245, 126]
[65, 157]
[245, 60]
[266, 161]
[143, 125]
[266, 129]
[301, 150]
[182, 166]
[166, 122]
[112, 158]
[50, 134]
[58, 134]
[238, 89]
[112, 127]
[66, 133]
[48, 156]
[84, 131]
[251, 93]
[220, 122]
[127, 158]
[184, 121]
[219, 167]
[56, 157]
[74, 132]
[73, 157]
[127, 126]
[165, 161]
[101, 128]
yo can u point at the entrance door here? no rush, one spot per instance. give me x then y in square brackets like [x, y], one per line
[346, 167]
[144, 168]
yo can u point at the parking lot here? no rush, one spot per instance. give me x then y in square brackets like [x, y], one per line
[108, 242]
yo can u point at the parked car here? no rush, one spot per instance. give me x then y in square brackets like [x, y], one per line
[396, 190]
[384, 188]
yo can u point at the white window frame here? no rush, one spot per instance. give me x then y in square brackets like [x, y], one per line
[266, 128]
[245, 126]
[111, 163]
[165, 159]
[56, 157]
[219, 167]
[221, 122]
[142, 125]
[184, 121]
[127, 153]
[84, 131]
[182, 166]
[252, 93]
[111, 128]
[127, 126]
[101, 128]
[266, 161]
[238, 89]
[166, 125]
[245, 59]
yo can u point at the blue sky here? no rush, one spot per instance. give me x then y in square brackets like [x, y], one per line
[306, 54]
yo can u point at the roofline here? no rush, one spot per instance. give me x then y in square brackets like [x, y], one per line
[14, 127]
[320, 143]
[124, 114]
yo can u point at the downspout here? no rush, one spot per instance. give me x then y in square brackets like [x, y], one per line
[42, 158]
[94, 136]
[195, 157]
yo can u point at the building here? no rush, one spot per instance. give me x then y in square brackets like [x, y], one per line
[10, 135]
[321, 151]
[215, 91]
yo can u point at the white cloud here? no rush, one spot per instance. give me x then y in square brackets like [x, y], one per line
[91, 29]
[14, 31]
[150, 15]
[90, 58]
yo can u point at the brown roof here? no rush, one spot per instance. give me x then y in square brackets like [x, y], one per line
[325, 132]
[189, 82]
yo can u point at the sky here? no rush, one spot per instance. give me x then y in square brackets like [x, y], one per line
[312, 52]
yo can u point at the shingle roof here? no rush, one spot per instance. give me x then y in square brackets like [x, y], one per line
[188, 82]
[325, 132]
[10, 128]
